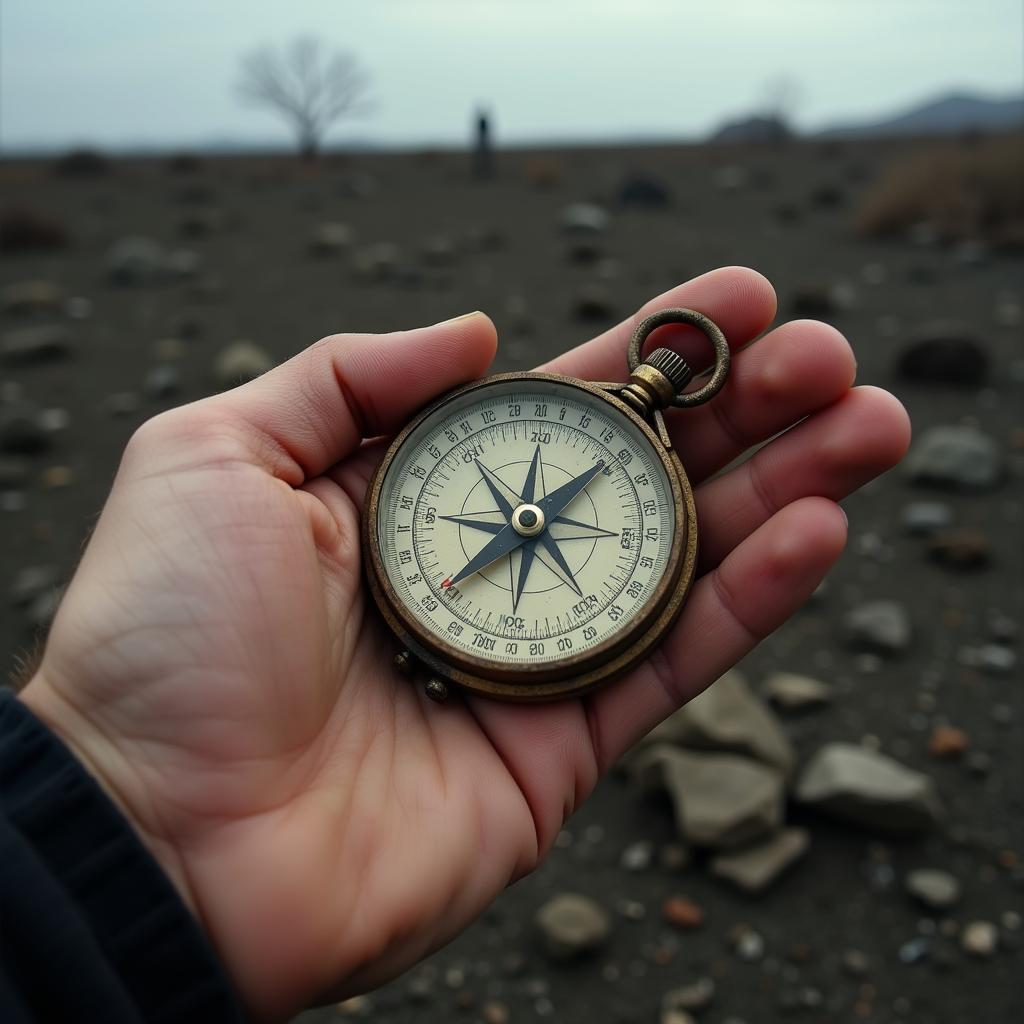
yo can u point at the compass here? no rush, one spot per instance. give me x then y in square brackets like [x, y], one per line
[531, 536]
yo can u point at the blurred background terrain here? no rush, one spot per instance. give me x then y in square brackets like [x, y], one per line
[849, 847]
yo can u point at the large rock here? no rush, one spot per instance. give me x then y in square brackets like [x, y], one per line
[754, 868]
[720, 800]
[571, 924]
[42, 344]
[882, 627]
[868, 788]
[729, 716]
[944, 352]
[955, 458]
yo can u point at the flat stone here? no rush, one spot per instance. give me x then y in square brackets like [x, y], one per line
[682, 912]
[43, 344]
[944, 352]
[14, 472]
[998, 659]
[183, 264]
[922, 518]
[796, 692]
[379, 262]
[593, 302]
[571, 924]
[642, 192]
[697, 995]
[720, 800]
[240, 362]
[135, 262]
[729, 716]
[882, 627]
[169, 350]
[980, 939]
[585, 219]
[948, 741]
[30, 582]
[754, 868]
[31, 297]
[331, 239]
[868, 788]
[963, 548]
[57, 476]
[937, 890]
[122, 403]
[956, 458]
[163, 381]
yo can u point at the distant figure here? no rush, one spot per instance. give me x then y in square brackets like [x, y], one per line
[483, 153]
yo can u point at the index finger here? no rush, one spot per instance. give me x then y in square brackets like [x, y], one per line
[741, 301]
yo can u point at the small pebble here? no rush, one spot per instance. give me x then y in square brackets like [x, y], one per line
[936, 889]
[980, 939]
[948, 741]
[637, 856]
[682, 912]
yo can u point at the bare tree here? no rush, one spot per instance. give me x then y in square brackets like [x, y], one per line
[308, 87]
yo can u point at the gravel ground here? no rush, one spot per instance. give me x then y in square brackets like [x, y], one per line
[837, 938]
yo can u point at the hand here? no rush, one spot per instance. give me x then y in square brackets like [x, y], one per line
[218, 666]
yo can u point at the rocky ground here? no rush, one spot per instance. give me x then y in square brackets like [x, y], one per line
[834, 832]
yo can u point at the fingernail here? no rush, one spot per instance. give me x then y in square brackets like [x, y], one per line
[845, 516]
[456, 319]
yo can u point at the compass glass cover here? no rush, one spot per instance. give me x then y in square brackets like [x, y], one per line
[460, 507]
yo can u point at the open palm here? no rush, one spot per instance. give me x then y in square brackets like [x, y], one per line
[218, 666]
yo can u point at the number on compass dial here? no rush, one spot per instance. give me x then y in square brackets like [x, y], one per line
[525, 522]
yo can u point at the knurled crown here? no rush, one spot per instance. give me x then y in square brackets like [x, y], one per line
[672, 365]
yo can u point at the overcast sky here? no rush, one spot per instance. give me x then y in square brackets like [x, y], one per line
[123, 72]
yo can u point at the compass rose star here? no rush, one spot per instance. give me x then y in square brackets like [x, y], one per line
[545, 547]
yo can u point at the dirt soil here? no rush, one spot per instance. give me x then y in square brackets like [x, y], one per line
[786, 212]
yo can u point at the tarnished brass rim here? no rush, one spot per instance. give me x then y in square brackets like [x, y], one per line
[563, 677]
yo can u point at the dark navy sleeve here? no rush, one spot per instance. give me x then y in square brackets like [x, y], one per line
[91, 929]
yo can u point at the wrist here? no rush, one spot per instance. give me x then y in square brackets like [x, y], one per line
[110, 767]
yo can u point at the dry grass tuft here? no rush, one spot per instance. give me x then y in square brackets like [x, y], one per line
[959, 191]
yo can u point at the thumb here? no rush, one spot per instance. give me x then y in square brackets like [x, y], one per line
[318, 406]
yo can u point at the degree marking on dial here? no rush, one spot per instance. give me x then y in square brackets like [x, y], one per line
[559, 420]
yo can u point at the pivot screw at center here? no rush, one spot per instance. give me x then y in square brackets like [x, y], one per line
[528, 520]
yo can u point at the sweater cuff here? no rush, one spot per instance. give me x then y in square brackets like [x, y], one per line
[147, 934]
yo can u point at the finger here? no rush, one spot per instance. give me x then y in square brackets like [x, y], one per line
[795, 370]
[739, 300]
[314, 410]
[830, 454]
[767, 578]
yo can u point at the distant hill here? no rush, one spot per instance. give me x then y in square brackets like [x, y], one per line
[757, 128]
[948, 115]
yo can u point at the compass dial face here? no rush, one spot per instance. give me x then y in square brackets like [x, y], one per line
[525, 522]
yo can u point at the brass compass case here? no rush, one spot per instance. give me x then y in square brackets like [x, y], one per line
[653, 385]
